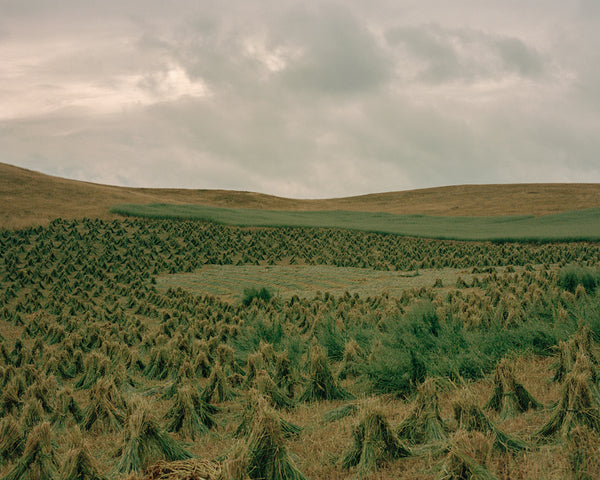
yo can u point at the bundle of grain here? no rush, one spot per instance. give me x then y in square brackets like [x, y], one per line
[264, 454]
[12, 438]
[11, 398]
[202, 364]
[580, 343]
[351, 361]
[66, 409]
[283, 373]
[218, 388]
[320, 384]
[251, 404]
[579, 405]
[424, 424]
[44, 390]
[32, 414]
[162, 363]
[79, 463]
[38, 461]
[467, 457]
[254, 362]
[472, 419]
[265, 385]
[582, 453]
[106, 410]
[373, 441]
[340, 412]
[144, 441]
[96, 366]
[509, 397]
[190, 415]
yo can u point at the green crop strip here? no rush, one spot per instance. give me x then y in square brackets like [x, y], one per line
[566, 226]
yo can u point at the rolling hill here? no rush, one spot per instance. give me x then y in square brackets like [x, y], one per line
[30, 198]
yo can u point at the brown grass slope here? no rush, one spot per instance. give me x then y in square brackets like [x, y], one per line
[31, 198]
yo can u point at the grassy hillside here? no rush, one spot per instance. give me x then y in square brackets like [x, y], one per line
[32, 198]
[565, 226]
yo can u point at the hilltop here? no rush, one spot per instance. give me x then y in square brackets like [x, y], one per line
[32, 198]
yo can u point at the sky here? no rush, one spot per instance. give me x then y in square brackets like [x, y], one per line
[302, 99]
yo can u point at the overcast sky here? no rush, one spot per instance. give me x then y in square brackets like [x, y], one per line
[302, 98]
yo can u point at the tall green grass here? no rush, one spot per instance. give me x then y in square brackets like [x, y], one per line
[566, 226]
[573, 275]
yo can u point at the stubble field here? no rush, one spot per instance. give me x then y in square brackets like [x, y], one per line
[294, 353]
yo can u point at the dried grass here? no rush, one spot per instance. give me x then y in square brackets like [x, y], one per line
[580, 344]
[251, 405]
[265, 385]
[192, 469]
[218, 388]
[32, 415]
[582, 452]
[352, 360]
[66, 409]
[340, 413]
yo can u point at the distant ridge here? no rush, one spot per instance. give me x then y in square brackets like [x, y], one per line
[29, 198]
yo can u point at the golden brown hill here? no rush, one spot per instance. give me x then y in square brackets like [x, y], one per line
[30, 198]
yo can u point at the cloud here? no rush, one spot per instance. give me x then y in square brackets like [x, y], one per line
[316, 99]
[467, 55]
[338, 54]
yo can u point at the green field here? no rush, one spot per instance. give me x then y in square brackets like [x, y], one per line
[567, 226]
[229, 281]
